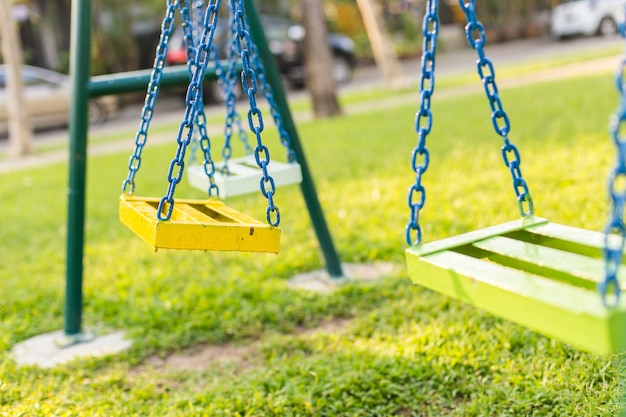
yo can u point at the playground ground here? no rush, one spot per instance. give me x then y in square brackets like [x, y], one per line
[222, 334]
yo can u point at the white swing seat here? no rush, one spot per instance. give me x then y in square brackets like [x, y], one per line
[244, 177]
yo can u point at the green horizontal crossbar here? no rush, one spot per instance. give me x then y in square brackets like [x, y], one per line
[526, 283]
[131, 81]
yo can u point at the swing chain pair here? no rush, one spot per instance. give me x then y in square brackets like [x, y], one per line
[167, 27]
[231, 99]
[193, 104]
[227, 75]
[615, 230]
[255, 117]
[423, 120]
[476, 37]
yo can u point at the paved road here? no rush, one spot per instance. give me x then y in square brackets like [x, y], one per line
[448, 63]
[169, 107]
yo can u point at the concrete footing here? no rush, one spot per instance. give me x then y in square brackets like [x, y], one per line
[50, 349]
[319, 281]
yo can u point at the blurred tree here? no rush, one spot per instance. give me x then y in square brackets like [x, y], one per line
[20, 130]
[380, 42]
[116, 32]
[319, 61]
[54, 21]
[111, 31]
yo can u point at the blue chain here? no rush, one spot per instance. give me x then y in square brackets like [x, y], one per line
[193, 147]
[255, 117]
[615, 230]
[423, 119]
[128, 186]
[189, 40]
[228, 81]
[266, 90]
[194, 93]
[475, 34]
[200, 135]
[205, 144]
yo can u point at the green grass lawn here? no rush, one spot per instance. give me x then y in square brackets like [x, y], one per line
[382, 349]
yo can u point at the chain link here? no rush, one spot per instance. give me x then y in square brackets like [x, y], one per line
[420, 157]
[615, 230]
[255, 117]
[167, 26]
[475, 34]
[193, 111]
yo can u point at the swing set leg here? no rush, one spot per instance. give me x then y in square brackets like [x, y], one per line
[333, 264]
[80, 71]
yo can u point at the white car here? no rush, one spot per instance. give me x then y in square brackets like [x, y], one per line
[586, 17]
[47, 96]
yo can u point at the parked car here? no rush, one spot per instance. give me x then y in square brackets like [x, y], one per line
[586, 17]
[285, 41]
[47, 95]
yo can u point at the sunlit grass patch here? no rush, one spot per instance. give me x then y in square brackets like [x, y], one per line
[401, 350]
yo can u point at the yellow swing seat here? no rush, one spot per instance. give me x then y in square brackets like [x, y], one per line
[197, 225]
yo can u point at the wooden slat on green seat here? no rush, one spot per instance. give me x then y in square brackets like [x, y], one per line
[573, 314]
[473, 236]
[558, 236]
[572, 268]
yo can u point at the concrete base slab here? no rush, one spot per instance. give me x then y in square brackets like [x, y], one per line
[44, 350]
[319, 281]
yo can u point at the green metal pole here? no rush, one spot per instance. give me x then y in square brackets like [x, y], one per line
[333, 264]
[79, 74]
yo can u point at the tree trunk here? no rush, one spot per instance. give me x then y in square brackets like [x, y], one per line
[20, 132]
[381, 45]
[55, 32]
[319, 61]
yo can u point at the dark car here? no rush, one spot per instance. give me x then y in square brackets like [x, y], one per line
[285, 41]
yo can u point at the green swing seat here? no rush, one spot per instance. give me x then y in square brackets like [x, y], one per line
[538, 274]
[541, 275]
